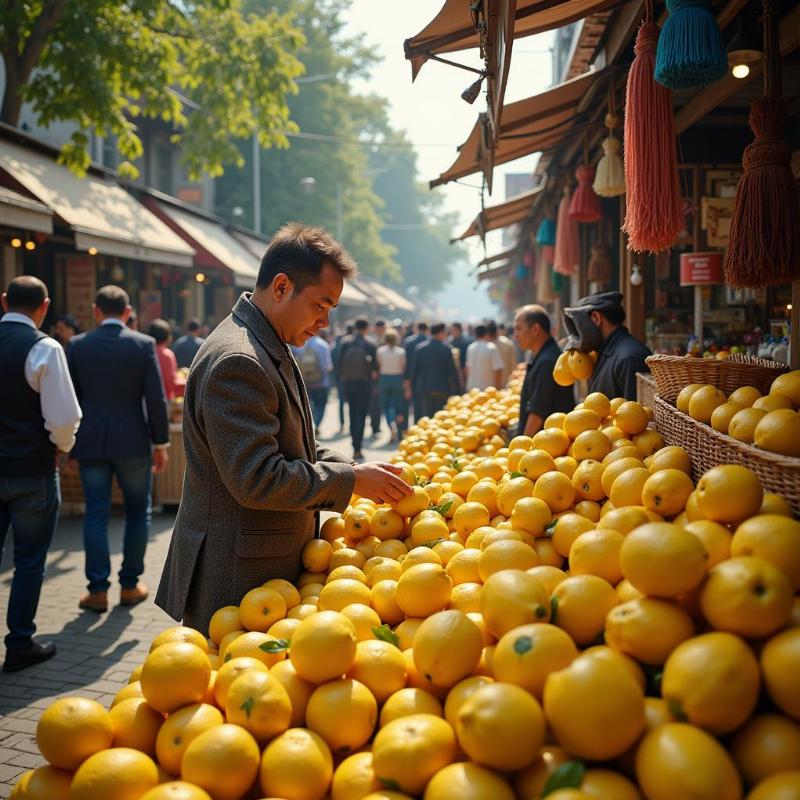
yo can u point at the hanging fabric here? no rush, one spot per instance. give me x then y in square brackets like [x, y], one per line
[610, 177]
[585, 204]
[568, 250]
[691, 52]
[764, 242]
[544, 284]
[654, 218]
[546, 235]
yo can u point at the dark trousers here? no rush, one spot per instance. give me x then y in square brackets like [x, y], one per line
[135, 479]
[432, 402]
[393, 401]
[375, 409]
[342, 400]
[359, 396]
[319, 400]
[30, 506]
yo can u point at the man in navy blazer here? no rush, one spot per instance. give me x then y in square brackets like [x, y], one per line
[125, 432]
[434, 374]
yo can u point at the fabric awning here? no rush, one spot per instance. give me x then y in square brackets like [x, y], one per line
[495, 272]
[505, 255]
[535, 124]
[383, 296]
[453, 28]
[210, 238]
[18, 211]
[252, 241]
[512, 211]
[351, 296]
[101, 213]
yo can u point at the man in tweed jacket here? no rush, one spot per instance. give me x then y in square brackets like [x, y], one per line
[255, 479]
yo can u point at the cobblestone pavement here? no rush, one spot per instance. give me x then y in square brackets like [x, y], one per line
[96, 653]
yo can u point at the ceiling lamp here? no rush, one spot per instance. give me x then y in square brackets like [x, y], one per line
[746, 47]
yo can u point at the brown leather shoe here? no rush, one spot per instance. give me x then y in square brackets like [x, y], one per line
[95, 601]
[131, 597]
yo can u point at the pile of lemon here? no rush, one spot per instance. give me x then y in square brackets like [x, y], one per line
[771, 422]
[565, 616]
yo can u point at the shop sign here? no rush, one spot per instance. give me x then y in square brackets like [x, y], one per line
[700, 269]
[150, 307]
[81, 286]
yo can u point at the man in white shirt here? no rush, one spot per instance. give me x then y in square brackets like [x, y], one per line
[508, 352]
[484, 362]
[39, 415]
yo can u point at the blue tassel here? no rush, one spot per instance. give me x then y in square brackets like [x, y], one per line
[522, 272]
[546, 235]
[691, 52]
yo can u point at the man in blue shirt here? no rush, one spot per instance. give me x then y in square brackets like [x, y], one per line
[186, 347]
[316, 365]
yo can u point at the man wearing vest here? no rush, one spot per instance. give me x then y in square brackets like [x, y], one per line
[39, 415]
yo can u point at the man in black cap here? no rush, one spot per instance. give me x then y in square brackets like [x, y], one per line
[596, 323]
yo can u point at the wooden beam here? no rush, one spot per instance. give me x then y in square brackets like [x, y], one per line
[625, 24]
[706, 100]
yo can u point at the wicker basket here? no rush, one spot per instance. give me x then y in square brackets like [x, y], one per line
[672, 373]
[708, 448]
[645, 388]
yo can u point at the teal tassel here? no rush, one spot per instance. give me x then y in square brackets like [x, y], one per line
[691, 52]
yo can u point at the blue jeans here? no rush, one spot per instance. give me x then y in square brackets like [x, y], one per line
[319, 400]
[135, 480]
[393, 400]
[30, 506]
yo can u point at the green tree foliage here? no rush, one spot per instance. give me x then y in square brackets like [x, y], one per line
[209, 68]
[393, 225]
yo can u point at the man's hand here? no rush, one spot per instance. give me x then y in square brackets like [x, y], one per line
[66, 464]
[160, 459]
[379, 482]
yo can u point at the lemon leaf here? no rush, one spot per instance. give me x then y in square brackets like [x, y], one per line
[274, 646]
[553, 609]
[568, 776]
[386, 634]
[391, 784]
[247, 706]
[432, 543]
[551, 528]
[517, 475]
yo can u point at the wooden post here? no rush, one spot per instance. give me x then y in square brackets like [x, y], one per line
[795, 319]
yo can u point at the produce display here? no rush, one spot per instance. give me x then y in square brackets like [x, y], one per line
[564, 616]
[770, 422]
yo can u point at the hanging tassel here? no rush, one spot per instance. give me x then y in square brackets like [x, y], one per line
[653, 220]
[567, 252]
[610, 178]
[548, 253]
[600, 266]
[544, 284]
[585, 205]
[691, 52]
[546, 235]
[764, 242]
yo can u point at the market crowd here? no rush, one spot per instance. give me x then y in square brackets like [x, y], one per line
[97, 403]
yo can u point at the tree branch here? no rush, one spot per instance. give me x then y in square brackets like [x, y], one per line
[42, 28]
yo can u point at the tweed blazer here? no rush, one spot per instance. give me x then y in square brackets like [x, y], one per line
[255, 479]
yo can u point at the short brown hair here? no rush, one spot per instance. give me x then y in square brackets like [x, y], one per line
[300, 251]
[112, 300]
[535, 315]
[26, 293]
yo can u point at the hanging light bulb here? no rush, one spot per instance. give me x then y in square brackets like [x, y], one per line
[30, 245]
[746, 46]
[740, 71]
[637, 279]
[16, 242]
[92, 251]
[200, 277]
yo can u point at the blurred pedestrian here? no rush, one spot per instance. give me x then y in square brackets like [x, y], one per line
[161, 331]
[117, 377]
[541, 396]
[377, 337]
[434, 373]
[315, 363]
[508, 352]
[39, 415]
[133, 320]
[411, 343]
[484, 362]
[64, 328]
[186, 347]
[392, 367]
[357, 371]
[460, 341]
[336, 352]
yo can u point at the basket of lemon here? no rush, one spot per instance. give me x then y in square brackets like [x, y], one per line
[742, 426]
[673, 373]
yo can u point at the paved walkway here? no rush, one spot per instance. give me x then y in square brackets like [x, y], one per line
[96, 653]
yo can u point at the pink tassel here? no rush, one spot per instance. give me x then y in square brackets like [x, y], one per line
[568, 249]
[585, 205]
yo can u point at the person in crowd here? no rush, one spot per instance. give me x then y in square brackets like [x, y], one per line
[377, 337]
[619, 354]
[117, 379]
[411, 342]
[161, 331]
[508, 352]
[316, 364]
[541, 396]
[133, 320]
[357, 371]
[186, 347]
[391, 368]
[336, 351]
[39, 414]
[64, 328]
[378, 334]
[434, 372]
[460, 341]
[256, 479]
[484, 363]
